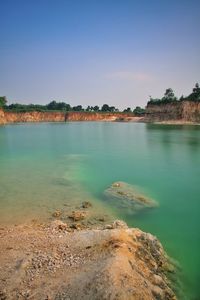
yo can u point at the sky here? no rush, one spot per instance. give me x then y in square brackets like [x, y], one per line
[91, 52]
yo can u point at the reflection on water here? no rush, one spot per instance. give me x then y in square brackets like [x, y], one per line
[46, 166]
[180, 134]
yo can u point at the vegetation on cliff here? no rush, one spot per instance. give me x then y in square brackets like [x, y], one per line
[3, 101]
[195, 95]
[169, 97]
[138, 111]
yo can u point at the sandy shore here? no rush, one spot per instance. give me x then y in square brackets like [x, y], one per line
[176, 122]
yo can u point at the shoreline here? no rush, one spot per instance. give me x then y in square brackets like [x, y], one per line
[173, 122]
[79, 255]
[134, 120]
[47, 261]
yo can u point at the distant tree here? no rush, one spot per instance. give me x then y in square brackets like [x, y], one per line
[153, 100]
[105, 107]
[196, 89]
[18, 107]
[169, 93]
[53, 105]
[138, 111]
[195, 95]
[68, 107]
[63, 106]
[169, 96]
[112, 109]
[127, 110]
[96, 108]
[3, 101]
[88, 108]
[77, 108]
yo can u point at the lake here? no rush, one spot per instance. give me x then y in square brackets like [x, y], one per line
[44, 166]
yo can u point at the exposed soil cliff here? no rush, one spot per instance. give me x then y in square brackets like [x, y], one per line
[182, 112]
[95, 116]
[191, 111]
[18, 117]
[2, 117]
[177, 112]
[48, 262]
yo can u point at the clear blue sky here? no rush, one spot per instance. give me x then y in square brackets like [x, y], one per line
[93, 52]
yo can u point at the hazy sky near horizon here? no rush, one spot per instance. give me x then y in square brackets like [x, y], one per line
[98, 51]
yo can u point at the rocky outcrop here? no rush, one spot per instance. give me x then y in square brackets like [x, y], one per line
[191, 111]
[182, 111]
[48, 262]
[35, 116]
[128, 196]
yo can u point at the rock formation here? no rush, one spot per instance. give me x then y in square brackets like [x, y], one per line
[48, 262]
[181, 111]
[128, 196]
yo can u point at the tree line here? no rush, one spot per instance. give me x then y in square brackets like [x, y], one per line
[170, 97]
[65, 107]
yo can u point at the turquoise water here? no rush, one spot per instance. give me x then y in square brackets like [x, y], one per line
[43, 166]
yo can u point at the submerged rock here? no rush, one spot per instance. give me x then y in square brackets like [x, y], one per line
[117, 224]
[57, 214]
[77, 215]
[58, 225]
[77, 226]
[129, 196]
[86, 204]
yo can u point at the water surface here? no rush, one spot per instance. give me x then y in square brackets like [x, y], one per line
[44, 166]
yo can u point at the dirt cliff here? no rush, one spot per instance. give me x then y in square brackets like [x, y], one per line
[35, 116]
[18, 117]
[2, 117]
[183, 112]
